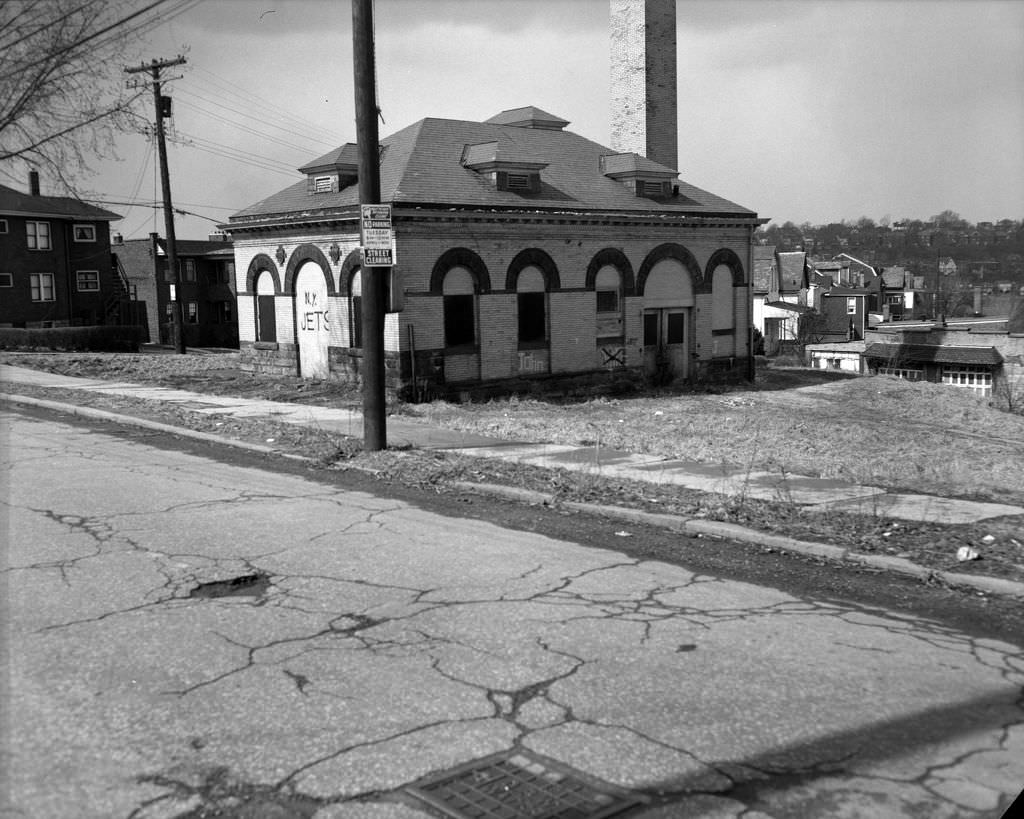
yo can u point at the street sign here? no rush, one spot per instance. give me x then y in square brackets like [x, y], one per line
[378, 236]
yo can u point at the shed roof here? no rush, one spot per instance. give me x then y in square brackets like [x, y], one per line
[934, 353]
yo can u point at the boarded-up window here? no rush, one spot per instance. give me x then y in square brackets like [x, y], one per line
[608, 287]
[722, 295]
[675, 331]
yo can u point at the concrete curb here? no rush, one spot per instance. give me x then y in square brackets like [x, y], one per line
[732, 531]
[105, 415]
[729, 531]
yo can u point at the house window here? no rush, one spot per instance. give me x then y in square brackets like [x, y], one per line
[3, 225]
[965, 375]
[607, 301]
[221, 312]
[906, 373]
[459, 304]
[38, 235]
[41, 286]
[851, 306]
[6, 280]
[88, 281]
[84, 233]
[188, 268]
[192, 314]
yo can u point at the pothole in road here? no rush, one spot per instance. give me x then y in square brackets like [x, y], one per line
[518, 785]
[246, 585]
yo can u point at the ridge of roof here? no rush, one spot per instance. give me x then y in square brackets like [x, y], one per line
[15, 201]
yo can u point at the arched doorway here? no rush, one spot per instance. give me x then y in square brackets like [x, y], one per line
[312, 320]
[668, 305]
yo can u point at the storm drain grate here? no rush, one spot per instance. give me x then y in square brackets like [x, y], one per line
[517, 786]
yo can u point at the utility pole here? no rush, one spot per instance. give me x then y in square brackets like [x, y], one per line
[163, 109]
[365, 81]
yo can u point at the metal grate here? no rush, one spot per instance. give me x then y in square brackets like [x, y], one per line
[517, 786]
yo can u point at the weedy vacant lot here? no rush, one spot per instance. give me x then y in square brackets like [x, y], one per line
[920, 437]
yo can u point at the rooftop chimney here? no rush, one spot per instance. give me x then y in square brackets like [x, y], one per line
[644, 96]
[33, 183]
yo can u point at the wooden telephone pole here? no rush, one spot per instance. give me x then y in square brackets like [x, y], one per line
[364, 77]
[163, 109]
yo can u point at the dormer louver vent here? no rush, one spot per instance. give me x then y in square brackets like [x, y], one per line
[646, 178]
[332, 172]
[506, 171]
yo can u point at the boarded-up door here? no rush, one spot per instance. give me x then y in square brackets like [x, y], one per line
[312, 321]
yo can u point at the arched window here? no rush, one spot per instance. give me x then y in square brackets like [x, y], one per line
[459, 308]
[608, 290]
[722, 299]
[531, 303]
[266, 316]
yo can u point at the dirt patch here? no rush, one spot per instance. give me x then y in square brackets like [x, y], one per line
[948, 443]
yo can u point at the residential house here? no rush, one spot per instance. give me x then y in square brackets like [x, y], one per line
[785, 303]
[55, 263]
[206, 288]
[524, 253]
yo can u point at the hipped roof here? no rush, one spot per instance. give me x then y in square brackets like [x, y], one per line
[422, 165]
[55, 207]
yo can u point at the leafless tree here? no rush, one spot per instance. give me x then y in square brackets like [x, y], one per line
[63, 95]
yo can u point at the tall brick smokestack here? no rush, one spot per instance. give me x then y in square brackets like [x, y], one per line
[644, 94]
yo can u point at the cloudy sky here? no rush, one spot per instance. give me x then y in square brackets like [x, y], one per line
[812, 110]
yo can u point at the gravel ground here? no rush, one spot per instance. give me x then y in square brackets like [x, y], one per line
[999, 542]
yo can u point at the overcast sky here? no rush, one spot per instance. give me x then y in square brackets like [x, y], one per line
[811, 110]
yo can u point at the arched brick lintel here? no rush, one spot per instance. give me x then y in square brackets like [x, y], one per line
[460, 257]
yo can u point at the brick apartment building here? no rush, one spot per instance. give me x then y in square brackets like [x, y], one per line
[55, 263]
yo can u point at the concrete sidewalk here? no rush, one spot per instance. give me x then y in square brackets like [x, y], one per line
[814, 493]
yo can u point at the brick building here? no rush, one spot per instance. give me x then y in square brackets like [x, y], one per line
[55, 263]
[207, 288]
[524, 253]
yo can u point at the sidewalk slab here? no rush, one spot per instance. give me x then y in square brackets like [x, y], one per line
[817, 494]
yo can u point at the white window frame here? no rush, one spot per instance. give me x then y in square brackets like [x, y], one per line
[38, 288]
[192, 312]
[93, 276]
[905, 373]
[851, 305]
[88, 233]
[33, 235]
[323, 184]
[972, 376]
[188, 270]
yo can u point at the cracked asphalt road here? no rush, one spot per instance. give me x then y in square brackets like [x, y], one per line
[388, 642]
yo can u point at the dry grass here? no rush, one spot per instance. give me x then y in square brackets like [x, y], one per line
[926, 438]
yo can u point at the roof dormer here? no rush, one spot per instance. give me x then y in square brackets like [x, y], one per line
[506, 170]
[644, 177]
[334, 171]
